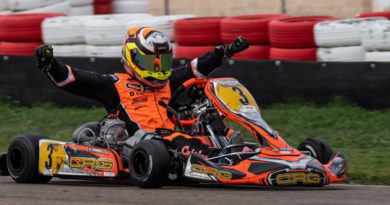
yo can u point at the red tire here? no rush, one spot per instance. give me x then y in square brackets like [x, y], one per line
[102, 8]
[191, 51]
[198, 31]
[102, 1]
[385, 14]
[295, 54]
[23, 27]
[294, 32]
[253, 27]
[18, 48]
[259, 52]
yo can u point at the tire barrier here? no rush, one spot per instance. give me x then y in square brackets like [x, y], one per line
[23, 27]
[344, 32]
[75, 3]
[63, 7]
[18, 48]
[104, 51]
[349, 53]
[109, 30]
[162, 23]
[70, 50]
[103, 8]
[294, 32]
[254, 52]
[383, 56]
[376, 36]
[3, 5]
[63, 30]
[253, 27]
[17, 5]
[130, 6]
[191, 52]
[293, 54]
[81, 10]
[198, 31]
[385, 14]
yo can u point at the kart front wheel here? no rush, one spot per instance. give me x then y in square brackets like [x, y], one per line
[318, 149]
[149, 164]
[23, 159]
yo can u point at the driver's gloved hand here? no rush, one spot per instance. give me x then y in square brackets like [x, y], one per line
[239, 44]
[44, 54]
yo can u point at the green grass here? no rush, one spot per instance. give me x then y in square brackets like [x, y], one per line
[363, 135]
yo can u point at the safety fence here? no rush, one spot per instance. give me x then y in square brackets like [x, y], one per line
[365, 83]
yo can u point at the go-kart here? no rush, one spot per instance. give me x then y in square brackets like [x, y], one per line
[202, 109]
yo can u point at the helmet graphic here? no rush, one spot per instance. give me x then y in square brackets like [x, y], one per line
[147, 56]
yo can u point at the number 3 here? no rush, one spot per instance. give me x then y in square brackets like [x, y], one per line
[48, 164]
[244, 100]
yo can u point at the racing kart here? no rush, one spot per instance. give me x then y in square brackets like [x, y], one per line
[200, 108]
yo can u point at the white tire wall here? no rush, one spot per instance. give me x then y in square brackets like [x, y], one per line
[130, 6]
[378, 56]
[69, 50]
[350, 53]
[3, 5]
[104, 51]
[18, 5]
[161, 23]
[376, 36]
[81, 10]
[63, 30]
[63, 7]
[342, 32]
[109, 29]
[75, 3]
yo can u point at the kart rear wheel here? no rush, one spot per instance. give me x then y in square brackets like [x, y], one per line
[318, 149]
[23, 159]
[149, 164]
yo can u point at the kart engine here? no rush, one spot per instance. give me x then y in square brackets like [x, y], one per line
[112, 133]
[108, 133]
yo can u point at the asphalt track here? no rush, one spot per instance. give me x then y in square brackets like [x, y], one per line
[59, 192]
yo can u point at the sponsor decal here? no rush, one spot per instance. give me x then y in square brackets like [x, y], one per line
[47, 172]
[51, 157]
[298, 178]
[211, 171]
[109, 174]
[138, 100]
[186, 151]
[99, 151]
[96, 164]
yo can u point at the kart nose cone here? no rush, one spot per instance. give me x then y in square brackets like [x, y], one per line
[338, 165]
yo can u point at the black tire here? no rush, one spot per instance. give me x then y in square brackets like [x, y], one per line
[318, 149]
[149, 164]
[23, 159]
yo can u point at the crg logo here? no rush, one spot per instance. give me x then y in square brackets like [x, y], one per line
[298, 178]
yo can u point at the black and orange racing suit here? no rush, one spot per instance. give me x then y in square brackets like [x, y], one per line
[137, 104]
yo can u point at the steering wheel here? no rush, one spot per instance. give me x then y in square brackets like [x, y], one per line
[184, 96]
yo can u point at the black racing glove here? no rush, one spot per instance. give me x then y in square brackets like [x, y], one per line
[239, 44]
[44, 54]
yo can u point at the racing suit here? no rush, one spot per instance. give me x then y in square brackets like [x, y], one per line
[136, 103]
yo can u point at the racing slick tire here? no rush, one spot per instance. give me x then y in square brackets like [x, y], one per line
[149, 164]
[23, 159]
[318, 149]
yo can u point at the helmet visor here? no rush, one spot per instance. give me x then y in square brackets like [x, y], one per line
[152, 63]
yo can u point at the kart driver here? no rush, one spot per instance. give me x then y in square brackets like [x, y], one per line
[135, 95]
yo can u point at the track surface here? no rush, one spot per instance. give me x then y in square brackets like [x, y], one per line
[109, 192]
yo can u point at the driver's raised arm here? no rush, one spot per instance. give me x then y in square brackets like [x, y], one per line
[202, 66]
[81, 82]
